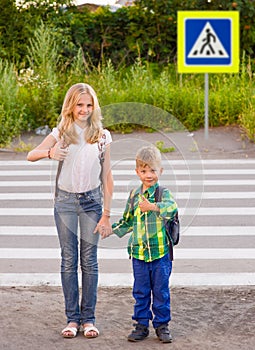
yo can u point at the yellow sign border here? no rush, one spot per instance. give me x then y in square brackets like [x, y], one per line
[182, 67]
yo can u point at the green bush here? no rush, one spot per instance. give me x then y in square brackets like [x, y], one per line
[39, 83]
[247, 120]
[11, 109]
[147, 30]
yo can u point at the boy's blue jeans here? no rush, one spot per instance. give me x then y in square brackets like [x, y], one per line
[71, 209]
[151, 286]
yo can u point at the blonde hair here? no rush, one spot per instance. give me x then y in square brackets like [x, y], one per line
[148, 156]
[66, 128]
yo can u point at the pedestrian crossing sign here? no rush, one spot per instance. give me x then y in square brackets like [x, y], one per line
[208, 41]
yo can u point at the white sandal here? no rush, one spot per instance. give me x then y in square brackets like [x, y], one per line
[88, 329]
[72, 330]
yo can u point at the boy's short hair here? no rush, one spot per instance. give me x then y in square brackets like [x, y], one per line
[148, 156]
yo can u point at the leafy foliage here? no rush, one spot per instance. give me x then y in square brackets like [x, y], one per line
[128, 56]
[147, 30]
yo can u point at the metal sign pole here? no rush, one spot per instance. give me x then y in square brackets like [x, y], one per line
[206, 104]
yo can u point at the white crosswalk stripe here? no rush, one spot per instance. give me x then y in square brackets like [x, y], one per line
[24, 173]
[217, 207]
[190, 231]
[135, 182]
[119, 195]
[126, 279]
[118, 211]
[110, 254]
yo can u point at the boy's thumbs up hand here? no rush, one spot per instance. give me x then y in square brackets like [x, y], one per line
[145, 205]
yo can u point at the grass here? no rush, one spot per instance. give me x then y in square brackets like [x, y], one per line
[161, 146]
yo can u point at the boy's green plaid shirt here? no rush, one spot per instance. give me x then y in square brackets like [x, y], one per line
[148, 240]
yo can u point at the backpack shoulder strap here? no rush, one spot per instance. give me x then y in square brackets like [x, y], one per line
[101, 147]
[101, 143]
[158, 193]
[132, 199]
[60, 164]
[158, 196]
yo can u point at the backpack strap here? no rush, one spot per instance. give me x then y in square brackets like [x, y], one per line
[132, 199]
[60, 164]
[158, 197]
[101, 147]
[158, 193]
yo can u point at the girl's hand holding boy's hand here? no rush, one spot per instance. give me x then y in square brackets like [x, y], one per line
[104, 227]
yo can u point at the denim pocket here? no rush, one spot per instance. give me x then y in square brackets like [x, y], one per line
[62, 197]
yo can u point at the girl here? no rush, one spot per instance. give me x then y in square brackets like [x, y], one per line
[82, 147]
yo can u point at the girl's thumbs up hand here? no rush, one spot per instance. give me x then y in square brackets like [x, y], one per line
[58, 152]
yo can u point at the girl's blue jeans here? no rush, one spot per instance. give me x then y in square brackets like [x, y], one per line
[85, 210]
[151, 286]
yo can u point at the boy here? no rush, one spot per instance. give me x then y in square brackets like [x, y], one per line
[148, 247]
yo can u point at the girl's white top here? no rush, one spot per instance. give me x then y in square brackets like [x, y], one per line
[81, 168]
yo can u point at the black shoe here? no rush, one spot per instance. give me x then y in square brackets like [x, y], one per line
[164, 334]
[139, 333]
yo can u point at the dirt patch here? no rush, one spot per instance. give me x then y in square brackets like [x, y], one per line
[222, 142]
[202, 319]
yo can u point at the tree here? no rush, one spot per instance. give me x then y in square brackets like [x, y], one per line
[11, 31]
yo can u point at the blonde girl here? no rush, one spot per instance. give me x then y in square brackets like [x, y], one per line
[82, 147]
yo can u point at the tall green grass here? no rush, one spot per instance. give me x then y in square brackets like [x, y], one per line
[33, 96]
[40, 83]
[12, 111]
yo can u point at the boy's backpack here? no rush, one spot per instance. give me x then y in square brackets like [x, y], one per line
[172, 226]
